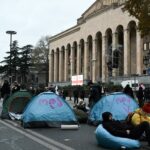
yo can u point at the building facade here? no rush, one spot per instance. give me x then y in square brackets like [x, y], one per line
[104, 43]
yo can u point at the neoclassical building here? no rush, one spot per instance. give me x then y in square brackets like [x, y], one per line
[104, 43]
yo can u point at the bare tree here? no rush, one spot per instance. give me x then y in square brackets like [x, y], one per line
[40, 55]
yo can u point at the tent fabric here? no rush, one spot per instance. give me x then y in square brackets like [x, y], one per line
[48, 109]
[118, 103]
[15, 103]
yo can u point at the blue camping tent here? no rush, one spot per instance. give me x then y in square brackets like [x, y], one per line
[118, 103]
[48, 109]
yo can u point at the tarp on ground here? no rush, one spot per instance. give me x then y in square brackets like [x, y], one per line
[48, 109]
[15, 103]
[118, 103]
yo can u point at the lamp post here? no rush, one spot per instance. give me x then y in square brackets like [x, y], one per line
[10, 33]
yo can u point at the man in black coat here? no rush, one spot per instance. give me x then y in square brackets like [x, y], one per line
[5, 90]
[123, 129]
[94, 94]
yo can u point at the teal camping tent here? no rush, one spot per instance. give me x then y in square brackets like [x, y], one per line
[15, 103]
[48, 109]
[118, 103]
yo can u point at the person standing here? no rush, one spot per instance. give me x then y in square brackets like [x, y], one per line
[5, 90]
[94, 94]
[140, 96]
[76, 95]
[147, 94]
[64, 93]
[82, 94]
[128, 90]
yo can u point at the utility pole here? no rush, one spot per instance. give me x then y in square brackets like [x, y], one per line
[10, 73]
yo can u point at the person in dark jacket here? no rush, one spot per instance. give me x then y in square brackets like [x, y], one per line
[94, 95]
[123, 129]
[147, 94]
[5, 90]
[128, 90]
[140, 96]
[76, 95]
[82, 94]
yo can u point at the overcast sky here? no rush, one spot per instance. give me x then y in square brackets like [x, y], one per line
[32, 19]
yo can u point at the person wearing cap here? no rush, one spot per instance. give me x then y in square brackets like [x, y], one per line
[123, 129]
[141, 114]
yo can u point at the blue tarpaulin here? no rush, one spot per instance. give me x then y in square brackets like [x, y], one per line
[118, 103]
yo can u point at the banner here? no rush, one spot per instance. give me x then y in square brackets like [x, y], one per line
[77, 80]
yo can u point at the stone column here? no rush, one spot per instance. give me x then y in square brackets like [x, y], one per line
[139, 53]
[79, 60]
[66, 65]
[94, 52]
[72, 61]
[55, 67]
[86, 61]
[126, 52]
[50, 67]
[114, 47]
[104, 66]
[60, 66]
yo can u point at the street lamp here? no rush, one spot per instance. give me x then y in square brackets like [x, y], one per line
[10, 33]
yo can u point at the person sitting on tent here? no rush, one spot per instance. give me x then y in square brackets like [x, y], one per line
[140, 115]
[123, 129]
[81, 111]
[81, 105]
